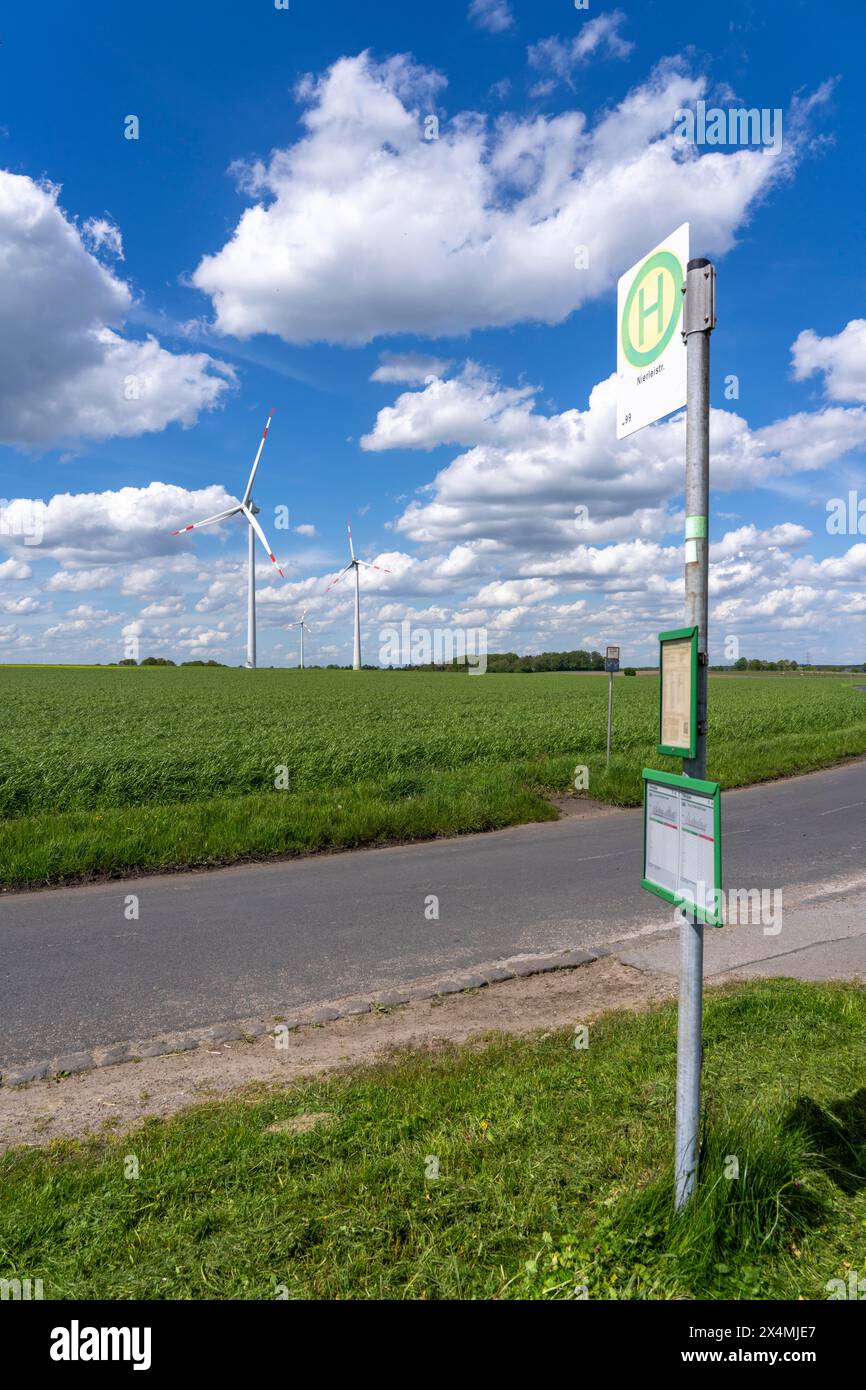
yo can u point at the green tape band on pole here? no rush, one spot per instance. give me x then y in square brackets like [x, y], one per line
[696, 528]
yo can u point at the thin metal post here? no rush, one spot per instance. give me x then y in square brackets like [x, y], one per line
[699, 322]
[609, 709]
[251, 595]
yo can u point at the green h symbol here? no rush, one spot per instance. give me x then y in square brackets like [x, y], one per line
[644, 311]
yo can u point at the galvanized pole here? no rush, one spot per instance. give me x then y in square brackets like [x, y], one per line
[699, 321]
[251, 595]
[609, 709]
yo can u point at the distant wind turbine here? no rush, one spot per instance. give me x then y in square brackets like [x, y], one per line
[303, 625]
[356, 564]
[250, 511]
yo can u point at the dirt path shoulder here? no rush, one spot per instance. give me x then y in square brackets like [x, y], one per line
[117, 1099]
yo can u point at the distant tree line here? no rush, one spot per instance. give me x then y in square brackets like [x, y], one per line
[499, 662]
[546, 661]
[506, 662]
[756, 664]
[162, 661]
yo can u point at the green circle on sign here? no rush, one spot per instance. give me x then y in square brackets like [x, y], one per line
[664, 261]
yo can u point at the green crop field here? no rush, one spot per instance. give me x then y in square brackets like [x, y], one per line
[111, 770]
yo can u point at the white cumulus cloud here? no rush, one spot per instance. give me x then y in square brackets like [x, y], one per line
[347, 239]
[66, 370]
[83, 530]
[557, 58]
[528, 478]
[493, 15]
[411, 367]
[103, 235]
[841, 359]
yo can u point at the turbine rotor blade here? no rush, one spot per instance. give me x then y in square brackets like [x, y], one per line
[256, 460]
[208, 521]
[375, 567]
[351, 546]
[262, 537]
[339, 576]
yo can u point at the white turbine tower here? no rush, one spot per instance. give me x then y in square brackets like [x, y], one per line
[356, 564]
[303, 625]
[250, 511]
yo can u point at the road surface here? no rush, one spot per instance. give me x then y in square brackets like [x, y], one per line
[265, 939]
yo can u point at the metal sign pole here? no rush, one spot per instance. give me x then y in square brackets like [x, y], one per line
[699, 322]
[609, 709]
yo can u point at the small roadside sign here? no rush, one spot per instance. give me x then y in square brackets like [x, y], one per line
[650, 352]
[611, 664]
[682, 843]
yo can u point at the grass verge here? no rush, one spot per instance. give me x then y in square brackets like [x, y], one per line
[50, 848]
[44, 849]
[554, 1173]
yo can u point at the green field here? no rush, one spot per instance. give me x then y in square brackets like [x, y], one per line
[111, 770]
[553, 1173]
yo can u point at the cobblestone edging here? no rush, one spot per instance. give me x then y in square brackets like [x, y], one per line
[74, 1062]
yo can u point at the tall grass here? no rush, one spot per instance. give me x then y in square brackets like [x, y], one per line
[106, 770]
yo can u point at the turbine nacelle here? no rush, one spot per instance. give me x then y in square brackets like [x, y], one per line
[354, 563]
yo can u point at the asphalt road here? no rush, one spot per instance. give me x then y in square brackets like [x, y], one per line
[268, 938]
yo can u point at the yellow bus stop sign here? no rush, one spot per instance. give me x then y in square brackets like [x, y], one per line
[651, 355]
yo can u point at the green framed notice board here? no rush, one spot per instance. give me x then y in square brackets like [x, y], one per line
[678, 692]
[682, 843]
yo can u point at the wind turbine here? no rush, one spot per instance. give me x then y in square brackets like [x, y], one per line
[302, 624]
[250, 511]
[356, 564]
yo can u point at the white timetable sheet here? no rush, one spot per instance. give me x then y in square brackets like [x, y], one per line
[680, 845]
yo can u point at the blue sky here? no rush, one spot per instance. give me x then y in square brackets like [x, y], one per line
[281, 230]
